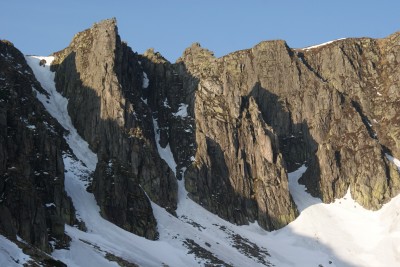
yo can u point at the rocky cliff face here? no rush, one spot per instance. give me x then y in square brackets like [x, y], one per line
[315, 105]
[365, 73]
[206, 142]
[237, 150]
[103, 80]
[33, 203]
[235, 125]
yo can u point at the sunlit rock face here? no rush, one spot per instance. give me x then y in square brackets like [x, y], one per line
[269, 109]
[103, 80]
[235, 125]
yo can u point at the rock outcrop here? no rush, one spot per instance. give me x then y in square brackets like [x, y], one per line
[122, 200]
[33, 203]
[232, 164]
[170, 95]
[353, 149]
[238, 172]
[103, 80]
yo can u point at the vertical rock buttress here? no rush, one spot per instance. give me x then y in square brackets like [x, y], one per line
[102, 78]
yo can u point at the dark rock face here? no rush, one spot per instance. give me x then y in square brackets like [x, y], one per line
[33, 203]
[102, 78]
[170, 95]
[124, 202]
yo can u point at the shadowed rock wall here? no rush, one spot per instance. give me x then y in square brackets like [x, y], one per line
[33, 202]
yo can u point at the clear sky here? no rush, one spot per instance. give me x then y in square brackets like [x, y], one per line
[169, 26]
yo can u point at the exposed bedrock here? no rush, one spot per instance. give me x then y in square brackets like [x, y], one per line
[236, 125]
[102, 78]
[33, 201]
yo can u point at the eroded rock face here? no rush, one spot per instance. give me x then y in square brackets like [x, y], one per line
[170, 95]
[33, 203]
[103, 80]
[365, 72]
[235, 125]
[235, 189]
[320, 106]
[238, 171]
[123, 200]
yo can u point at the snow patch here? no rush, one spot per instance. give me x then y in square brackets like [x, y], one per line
[57, 105]
[31, 127]
[323, 44]
[164, 152]
[393, 160]
[146, 81]
[11, 255]
[165, 103]
[144, 100]
[342, 232]
[300, 196]
[182, 111]
[49, 205]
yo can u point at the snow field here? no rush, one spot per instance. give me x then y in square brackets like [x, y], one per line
[10, 254]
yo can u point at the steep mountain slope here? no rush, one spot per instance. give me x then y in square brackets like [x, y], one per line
[118, 125]
[324, 234]
[33, 204]
[157, 155]
[102, 79]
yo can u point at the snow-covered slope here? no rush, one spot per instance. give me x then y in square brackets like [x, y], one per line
[10, 254]
[343, 232]
[337, 234]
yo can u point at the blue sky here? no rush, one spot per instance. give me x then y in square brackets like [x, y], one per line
[169, 26]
